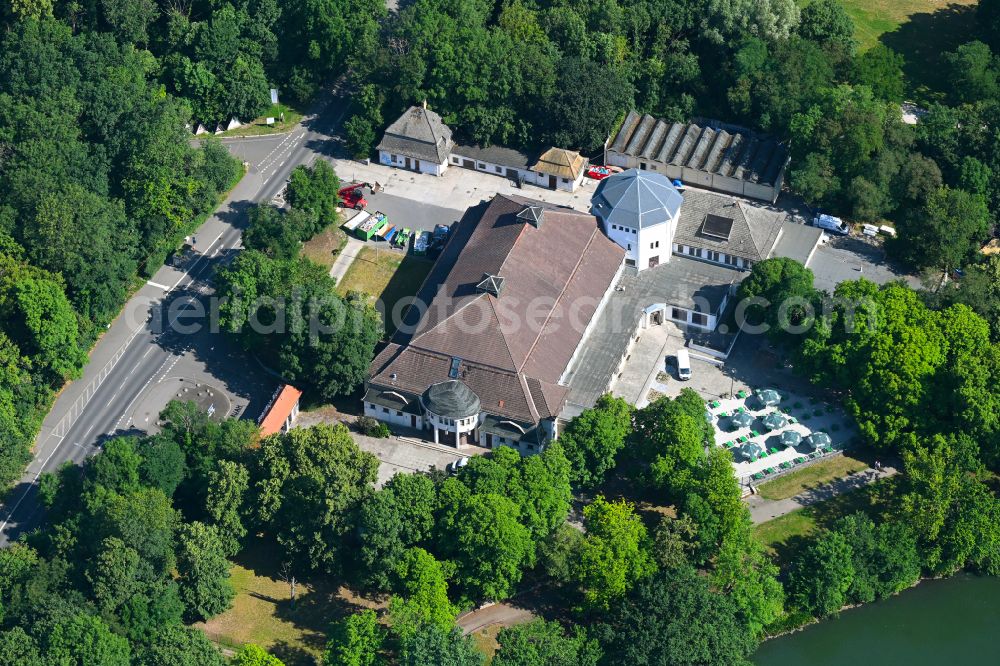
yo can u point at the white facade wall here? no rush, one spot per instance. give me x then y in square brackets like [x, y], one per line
[530, 177]
[643, 244]
[457, 159]
[712, 256]
[421, 166]
[564, 184]
[392, 416]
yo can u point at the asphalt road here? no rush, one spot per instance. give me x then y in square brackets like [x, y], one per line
[145, 346]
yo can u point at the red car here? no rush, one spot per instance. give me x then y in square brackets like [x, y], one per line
[601, 172]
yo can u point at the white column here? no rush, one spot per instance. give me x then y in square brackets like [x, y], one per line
[435, 429]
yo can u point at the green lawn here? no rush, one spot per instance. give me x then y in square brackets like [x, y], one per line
[260, 615]
[810, 476]
[259, 126]
[324, 246]
[874, 18]
[778, 532]
[486, 640]
[263, 613]
[387, 276]
[782, 535]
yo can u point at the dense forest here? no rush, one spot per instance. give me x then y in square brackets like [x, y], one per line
[97, 100]
[99, 185]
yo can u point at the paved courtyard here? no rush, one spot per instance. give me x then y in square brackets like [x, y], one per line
[396, 453]
[457, 189]
[844, 258]
[752, 365]
[758, 453]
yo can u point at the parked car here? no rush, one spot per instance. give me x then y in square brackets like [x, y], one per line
[440, 235]
[421, 242]
[831, 223]
[683, 365]
[601, 172]
[456, 465]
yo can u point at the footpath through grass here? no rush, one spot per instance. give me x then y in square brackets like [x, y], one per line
[324, 247]
[783, 535]
[811, 476]
[387, 276]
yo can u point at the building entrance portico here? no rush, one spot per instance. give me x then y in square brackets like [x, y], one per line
[451, 412]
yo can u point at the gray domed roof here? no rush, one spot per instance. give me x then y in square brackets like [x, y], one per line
[636, 199]
[451, 399]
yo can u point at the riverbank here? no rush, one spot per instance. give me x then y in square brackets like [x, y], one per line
[948, 620]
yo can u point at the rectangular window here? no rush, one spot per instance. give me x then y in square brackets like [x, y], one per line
[699, 319]
[651, 246]
[629, 247]
[642, 165]
[499, 169]
[677, 313]
[385, 410]
[630, 262]
[657, 243]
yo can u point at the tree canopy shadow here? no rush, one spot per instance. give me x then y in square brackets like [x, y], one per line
[925, 38]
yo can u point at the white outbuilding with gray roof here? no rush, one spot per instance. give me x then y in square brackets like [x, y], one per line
[639, 211]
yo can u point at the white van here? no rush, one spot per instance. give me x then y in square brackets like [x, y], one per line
[683, 365]
[831, 223]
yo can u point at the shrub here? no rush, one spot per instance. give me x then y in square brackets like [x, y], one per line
[371, 427]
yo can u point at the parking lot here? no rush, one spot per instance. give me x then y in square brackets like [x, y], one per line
[843, 258]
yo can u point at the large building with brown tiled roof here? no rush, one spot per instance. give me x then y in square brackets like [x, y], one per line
[514, 294]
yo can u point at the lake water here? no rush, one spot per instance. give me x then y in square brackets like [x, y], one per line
[953, 622]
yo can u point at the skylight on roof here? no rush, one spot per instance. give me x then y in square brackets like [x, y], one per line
[456, 363]
[532, 215]
[491, 284]
[717, 226]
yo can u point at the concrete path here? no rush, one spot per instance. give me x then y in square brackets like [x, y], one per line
[763, 510]
[503, 614]
[346, 257]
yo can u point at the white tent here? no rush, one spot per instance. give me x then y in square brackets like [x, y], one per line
[200, 130]
[233, 124]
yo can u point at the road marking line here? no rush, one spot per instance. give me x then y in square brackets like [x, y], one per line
[157, 285]
[143, 390]
[188, 272]
[292, 138]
